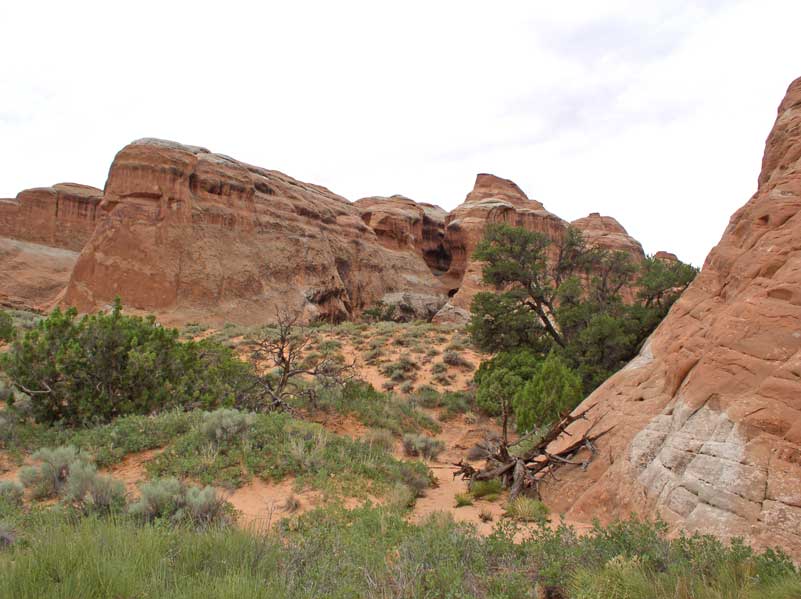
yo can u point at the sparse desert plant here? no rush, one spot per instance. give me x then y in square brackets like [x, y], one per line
[11, 492]
[380, 438]
[485, 515]
[292, 504]
[441, 379]
[205, 508]
[527, 509]
[7, 535]
[407, 387]
[422, 445]
[49, 478]
[463, 499]
[226, 425]
[439, 367]
[416, 479]
[160, 498]
[372, 355]
[486, 489]
[92, 492]
[454, 358]
[6, 326]
[171, 501]
[400, 497]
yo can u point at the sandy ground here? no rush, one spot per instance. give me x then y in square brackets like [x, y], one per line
[261, 504]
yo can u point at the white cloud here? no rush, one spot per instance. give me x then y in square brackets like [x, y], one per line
[654, 113]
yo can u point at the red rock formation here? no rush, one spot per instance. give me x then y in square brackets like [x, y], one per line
[492, 200]
[61, 216]
[708, 418]
[32, 275]
[403, 224]
[666, 256]
[606, 233]
[195, 235]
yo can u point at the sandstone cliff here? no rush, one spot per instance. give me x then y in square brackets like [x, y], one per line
[61, 216]
[41, 232]
[190, 234]
[707, 420]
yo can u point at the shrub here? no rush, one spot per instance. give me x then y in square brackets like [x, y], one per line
[439, 367]
[401, 497]
[527, 509]
[168, 500]
[49, 478]
[380, 438]
[225, 425]
[7, 535]
[91, 492]
[454, 358]
[11, 492]
[422, 445]
[6, 326]
[106, 365]
[553, 390]
[486, 489]
[463, 499]
[292, 504]
[485, 515]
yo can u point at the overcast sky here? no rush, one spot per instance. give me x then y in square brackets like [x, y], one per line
[652, 112]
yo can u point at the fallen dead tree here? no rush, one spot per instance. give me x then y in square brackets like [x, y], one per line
[522, 474]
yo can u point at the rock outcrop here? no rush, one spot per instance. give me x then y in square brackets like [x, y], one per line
[403, 224]
[707, 420]
[492, 200]
[41, 232]
[32, 275]
[190, 234]
[606, 233]
[61, 216]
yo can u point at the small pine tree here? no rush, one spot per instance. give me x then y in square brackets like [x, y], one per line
[554, 389]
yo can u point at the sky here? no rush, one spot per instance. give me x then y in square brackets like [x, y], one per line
[654, 112]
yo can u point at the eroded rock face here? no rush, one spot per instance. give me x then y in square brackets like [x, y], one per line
[33, 275]
[61, 216]
[606, 233]
[190, 234]
[707, 420]
[403, 224]
[492, 200]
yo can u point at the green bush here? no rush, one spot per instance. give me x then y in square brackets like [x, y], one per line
[11, 492]
[49, 478]
[553, 390]
[486, 488]
[225, 425]
[169, 500]
[6, 326]
[421, 445]
[91, 492]
[527, 509]
[454, 358]
[102, 366]
[7, 535]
